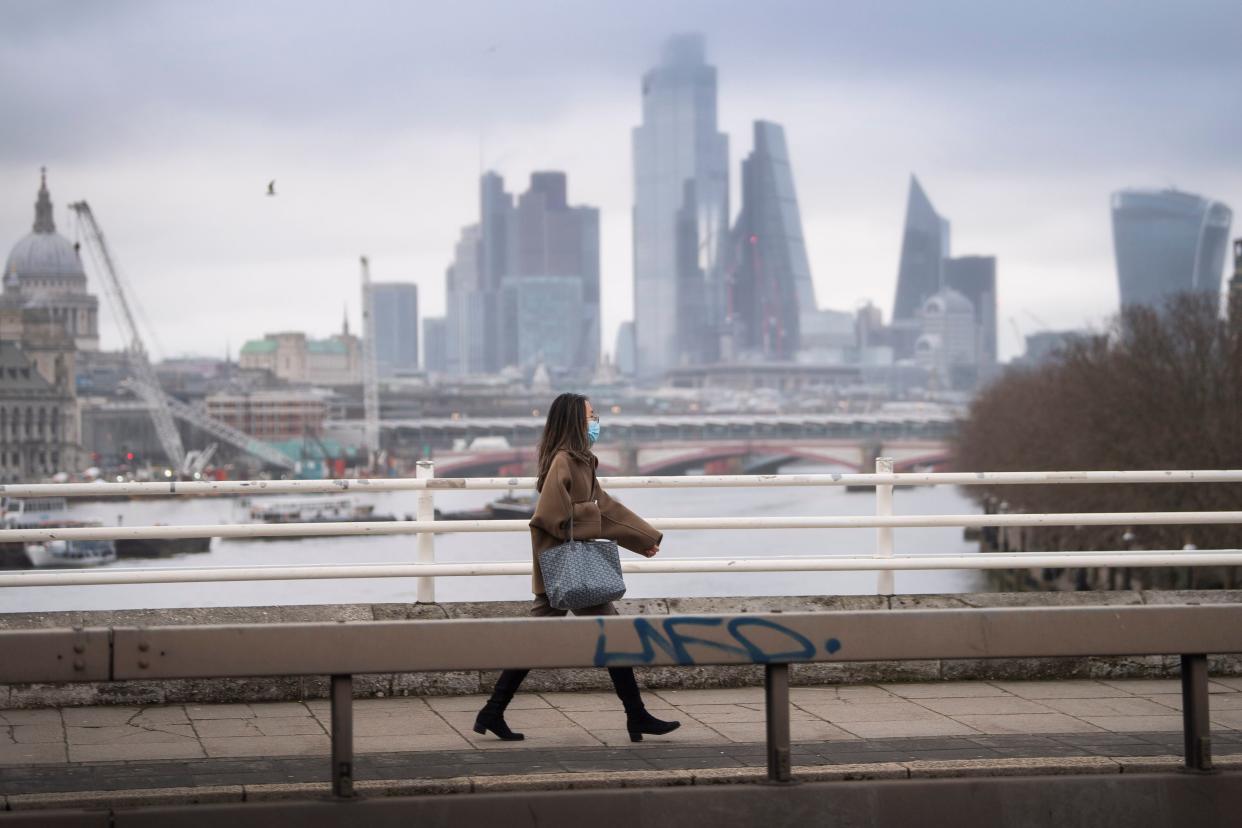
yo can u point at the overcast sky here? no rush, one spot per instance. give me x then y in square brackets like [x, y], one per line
[375, 119]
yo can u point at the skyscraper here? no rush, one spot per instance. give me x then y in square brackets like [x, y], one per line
[465, 320]
[1167, 242]
[435, 345]
[550, 241]
[681, 211]
[768, 292]
[975, 278]
[924, 247]
[537, 250]
[396, 327]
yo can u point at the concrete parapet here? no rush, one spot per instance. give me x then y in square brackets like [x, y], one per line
[467, 682]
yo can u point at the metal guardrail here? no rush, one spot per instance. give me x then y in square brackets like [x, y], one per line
[776, 641]
[883, 560]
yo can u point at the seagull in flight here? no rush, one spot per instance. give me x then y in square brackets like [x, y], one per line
[271, 187]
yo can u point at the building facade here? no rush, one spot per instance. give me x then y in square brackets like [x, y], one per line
[396, 327]
[44, 270]
[681, 212]
[1168, 242]
[39, 418]
[296, 358]
[768, 289]
[271, 415]
[435, 345]
[975, 278]
[948, 345]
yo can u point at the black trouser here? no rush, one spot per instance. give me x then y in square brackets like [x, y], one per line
[623, 681]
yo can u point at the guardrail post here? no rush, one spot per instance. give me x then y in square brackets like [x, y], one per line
[884, 534]
[1195, 723]
[343, 736]
[423, 470]
[776, 702]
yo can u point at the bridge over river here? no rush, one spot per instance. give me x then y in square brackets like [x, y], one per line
[656, 445]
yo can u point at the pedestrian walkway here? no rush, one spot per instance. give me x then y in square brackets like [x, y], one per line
[192, 746]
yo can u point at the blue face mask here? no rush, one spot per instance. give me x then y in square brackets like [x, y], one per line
[592, 431]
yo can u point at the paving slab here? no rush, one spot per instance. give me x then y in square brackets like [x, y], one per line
[1123, 706]
[32, 734]
[941, 726]
[1136, 724]
[269, 709]
[1037, 690]
[1026, 723]
[267, 746]
[32, 754]
[982, 705]
[944, 689]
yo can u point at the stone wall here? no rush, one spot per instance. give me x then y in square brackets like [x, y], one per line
[462, 682]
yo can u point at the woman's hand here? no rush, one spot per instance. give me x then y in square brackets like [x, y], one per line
[650, 553]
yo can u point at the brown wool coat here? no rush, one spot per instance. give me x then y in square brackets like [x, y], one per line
[596, 515]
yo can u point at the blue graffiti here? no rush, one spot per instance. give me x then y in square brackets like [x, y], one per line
[675, 643]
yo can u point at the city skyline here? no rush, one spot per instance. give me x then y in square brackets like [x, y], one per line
[1008, 140]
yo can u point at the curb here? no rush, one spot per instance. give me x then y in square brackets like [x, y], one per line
[596, 780]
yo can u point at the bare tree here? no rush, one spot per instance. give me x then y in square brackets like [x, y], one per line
[1162, 389]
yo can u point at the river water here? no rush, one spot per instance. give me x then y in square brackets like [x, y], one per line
[649, 503]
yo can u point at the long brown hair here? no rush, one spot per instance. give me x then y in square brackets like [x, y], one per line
[565, 430]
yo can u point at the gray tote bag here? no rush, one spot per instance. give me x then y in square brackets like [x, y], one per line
[579, 573]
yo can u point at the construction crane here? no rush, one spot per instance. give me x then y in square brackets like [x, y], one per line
[370, 377]
[146, 385]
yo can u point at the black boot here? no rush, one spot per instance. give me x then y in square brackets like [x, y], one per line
[637, 720]
[492, 716]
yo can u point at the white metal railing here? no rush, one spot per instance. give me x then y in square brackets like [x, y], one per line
[426, 569]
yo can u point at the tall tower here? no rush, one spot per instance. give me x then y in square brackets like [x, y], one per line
[924, 247]
[1167, 242]
[769, 288]
[681, 210]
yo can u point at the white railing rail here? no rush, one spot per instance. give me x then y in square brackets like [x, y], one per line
[883, 560]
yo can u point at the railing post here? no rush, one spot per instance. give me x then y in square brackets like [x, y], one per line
[776, 702]
[343, 736]
[1196, 726]
[884, 534]
[424, 470]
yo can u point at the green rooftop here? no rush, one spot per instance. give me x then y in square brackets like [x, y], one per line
[259, 346]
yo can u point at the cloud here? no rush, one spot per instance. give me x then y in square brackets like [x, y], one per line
[376, 117]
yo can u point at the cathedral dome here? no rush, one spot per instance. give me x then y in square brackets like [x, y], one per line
[43, 253]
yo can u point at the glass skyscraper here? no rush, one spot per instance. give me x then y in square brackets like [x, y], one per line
[924, 247]
[396, 327]
[768, 291]
[1168, 242]
[681, 211]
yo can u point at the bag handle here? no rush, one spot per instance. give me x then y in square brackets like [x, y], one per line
[590, 498]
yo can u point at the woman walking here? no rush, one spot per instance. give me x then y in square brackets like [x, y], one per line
[568, 489]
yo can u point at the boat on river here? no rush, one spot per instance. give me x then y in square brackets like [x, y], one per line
[56, 554]
[49, 513]
[313, 510]
[509, 507]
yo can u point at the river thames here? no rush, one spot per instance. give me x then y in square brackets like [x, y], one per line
[515, 546]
